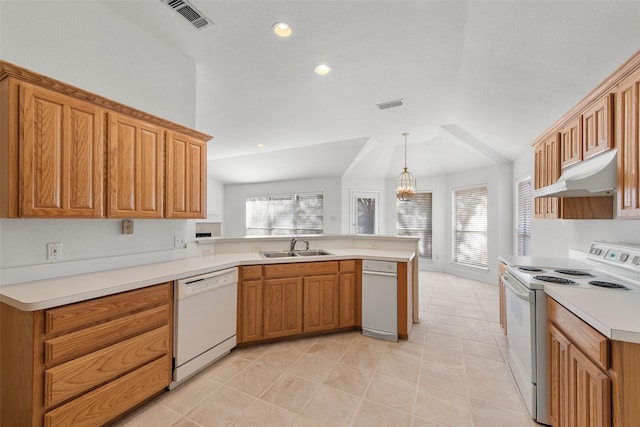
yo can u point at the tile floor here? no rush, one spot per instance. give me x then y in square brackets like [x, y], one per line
[450, 373]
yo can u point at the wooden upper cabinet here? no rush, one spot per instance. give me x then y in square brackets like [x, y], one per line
[136, 168]
[186, 177]
[597, 127]
[547, 171]
[628, 113]
[571, 138]
[60, 155]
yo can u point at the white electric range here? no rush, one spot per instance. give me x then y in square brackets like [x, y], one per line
[608, 267]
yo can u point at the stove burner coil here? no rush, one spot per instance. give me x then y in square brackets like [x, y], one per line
[574, 272]
[530, 269]
[609, 285]
[553, 279]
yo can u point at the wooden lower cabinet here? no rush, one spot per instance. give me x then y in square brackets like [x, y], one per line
[282, 308]
[321, 303]
[578, 361]
[284, 300]
[85, 363]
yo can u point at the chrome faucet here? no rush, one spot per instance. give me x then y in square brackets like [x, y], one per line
[293, 245]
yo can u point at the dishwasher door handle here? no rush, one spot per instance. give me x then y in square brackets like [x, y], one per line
[380, 273]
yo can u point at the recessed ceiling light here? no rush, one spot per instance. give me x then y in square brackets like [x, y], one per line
[282, 29]
[260, 145]
[322, 69]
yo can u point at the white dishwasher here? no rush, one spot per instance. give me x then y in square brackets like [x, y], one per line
[380, 299]
[204, 321]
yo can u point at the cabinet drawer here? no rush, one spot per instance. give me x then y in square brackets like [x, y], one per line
[347, 266]
[71, 316]
[300, 269]
[251, 271]
[82, 374]
[107, 402]
[591, 342]
[75, 344]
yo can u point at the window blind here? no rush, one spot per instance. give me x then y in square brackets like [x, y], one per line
[414, 218]
[284, 215]
[470, 226]
[524, 217]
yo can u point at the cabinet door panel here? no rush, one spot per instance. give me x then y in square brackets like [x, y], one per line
[321, 297]
[250, 313]
[628, 147]
[571, 138]
[186, 177]
[558, 375]
[348, 289]
[136, 172]
[597, 134]
[590, 391]
[61, 154]
[282, 307]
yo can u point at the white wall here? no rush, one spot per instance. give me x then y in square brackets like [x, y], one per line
[498, 180]
[85, 44]
[234, 223]
[555, 237]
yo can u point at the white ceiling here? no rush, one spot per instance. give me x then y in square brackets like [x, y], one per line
[480, 79]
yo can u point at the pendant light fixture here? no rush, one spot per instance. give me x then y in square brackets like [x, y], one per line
[406, 183]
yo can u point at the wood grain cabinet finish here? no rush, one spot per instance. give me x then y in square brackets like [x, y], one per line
[85, 363]
[282, 307]
[571, 142]
[321, 300]
[186, 177]
[250, 315]
[628, 114]
[349, 297]
[597, 126]
[68, 153]
[51, 154]
[579, 386]
[136, 168]
[547, 171]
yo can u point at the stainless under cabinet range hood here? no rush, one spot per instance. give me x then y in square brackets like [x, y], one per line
[594, 177]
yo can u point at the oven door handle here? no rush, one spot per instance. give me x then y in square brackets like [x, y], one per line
[516, 289]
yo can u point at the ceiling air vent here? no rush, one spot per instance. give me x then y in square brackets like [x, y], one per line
[391, 104]
[189, 12]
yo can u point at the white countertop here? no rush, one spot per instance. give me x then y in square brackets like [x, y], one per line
[42, 294]
[533, 261]
[613, 313]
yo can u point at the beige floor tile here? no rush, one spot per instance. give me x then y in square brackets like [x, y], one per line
[371, 343]
[374, 415]
[361, 357]
[446, 408]
[301, 344]
[328, 349]
[489, 416]
[443, 359]
[332, 407]
[279, 357]
[392, 392]
[346, 338]
[407, 350]
[290, 392]
[487, 368]
[421, 422]
[480, 335]
[303, 421]
[501, 394]
[251, 352]
[479, 349]
[446, 380]
[401, 368]
[189, 394]
[434, 341]
[255, 379]
[264, 414]
[184, 422]
[312, 367]
[226, 368]
[221, 408]
[350, 379]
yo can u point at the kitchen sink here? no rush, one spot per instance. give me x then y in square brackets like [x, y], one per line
[278, 254]
[289, 254]
[313, 252]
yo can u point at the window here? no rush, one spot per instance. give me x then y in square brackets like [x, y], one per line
[414, 219]
[285, 215]
[470, 226]
[524, 216]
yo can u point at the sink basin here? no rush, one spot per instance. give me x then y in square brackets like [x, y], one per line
[313, 252]
[278, 254]
[289, 254]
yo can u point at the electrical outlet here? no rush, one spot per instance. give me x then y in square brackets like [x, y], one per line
[178, 241]
[54, 250]
[127, 226]
[207, 250]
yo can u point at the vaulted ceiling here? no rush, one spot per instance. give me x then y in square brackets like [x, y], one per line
[480, 79]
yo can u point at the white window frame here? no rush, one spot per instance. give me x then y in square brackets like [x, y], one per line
[414, 231]
[270, 227]
[353, 208]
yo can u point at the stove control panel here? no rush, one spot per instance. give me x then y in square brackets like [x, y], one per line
[625, 256]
